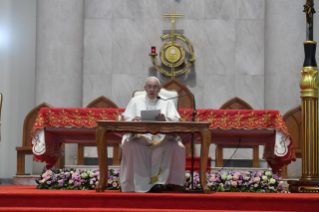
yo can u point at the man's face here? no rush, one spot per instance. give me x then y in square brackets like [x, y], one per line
[152, 88]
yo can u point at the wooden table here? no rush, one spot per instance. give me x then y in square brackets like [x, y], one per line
[104, 128]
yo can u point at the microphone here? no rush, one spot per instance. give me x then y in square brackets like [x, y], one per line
[177, 97]
[192, 142]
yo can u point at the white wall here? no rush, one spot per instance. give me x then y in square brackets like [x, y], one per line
[17, 77]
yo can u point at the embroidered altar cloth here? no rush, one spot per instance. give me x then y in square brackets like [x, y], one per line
[47, 148]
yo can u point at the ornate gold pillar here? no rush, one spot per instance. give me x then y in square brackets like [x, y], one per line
[309, 83]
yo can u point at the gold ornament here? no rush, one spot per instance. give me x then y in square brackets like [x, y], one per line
[173, 54]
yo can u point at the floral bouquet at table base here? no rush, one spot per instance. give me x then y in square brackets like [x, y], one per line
[239, 181]
[72, 179]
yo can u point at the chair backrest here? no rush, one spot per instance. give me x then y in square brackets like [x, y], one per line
[236, 103]
[185, 102]
[29, 122]
[1, 98]
[102, 102]
[165, 94]
[293, 121]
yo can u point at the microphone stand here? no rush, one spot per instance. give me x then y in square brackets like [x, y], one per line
[192, 142]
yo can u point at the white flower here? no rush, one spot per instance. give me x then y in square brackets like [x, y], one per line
[268, 173]
[91, 182]
[224, 176]
[272, 181]
[92, 175]
[281, 182]
[84, 175]
[271, 188]
[229, 177]
[187, 175]
[264, 178]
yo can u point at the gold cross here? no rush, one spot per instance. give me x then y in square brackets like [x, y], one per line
[173, 16]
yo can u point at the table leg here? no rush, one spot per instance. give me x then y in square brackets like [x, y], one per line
[101, 143]
[205, 137]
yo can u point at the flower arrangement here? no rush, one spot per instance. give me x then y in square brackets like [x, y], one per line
[71, 179]
[257, 181]
[226, 181]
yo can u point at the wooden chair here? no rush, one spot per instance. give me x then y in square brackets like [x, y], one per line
[185, 102]
[100, 102]
[293, 120]
[236, 103]
[26, 148]
[1, 99]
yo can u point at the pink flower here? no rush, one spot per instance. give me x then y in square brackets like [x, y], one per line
[44, 175]
[234, 184]
[283, 191]
[114, 184]
[96, 183]
[221, 185]
[212, 178]
[261, 171]
[235, 177]
[209, 184]
[71, 181]
[279, 186]
[75, 174]
[92, 186]
[257, 179]
[91, 182]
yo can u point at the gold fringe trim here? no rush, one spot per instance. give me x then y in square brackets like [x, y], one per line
[155, 178]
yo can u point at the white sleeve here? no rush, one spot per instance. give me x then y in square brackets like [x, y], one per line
[129, 113]
[171, 112]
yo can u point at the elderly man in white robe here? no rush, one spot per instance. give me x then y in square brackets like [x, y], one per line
[149, 161]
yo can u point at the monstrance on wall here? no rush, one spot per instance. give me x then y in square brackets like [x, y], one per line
[172, 53]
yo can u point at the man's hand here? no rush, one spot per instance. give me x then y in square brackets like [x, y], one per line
[137, 118]
[160, 117]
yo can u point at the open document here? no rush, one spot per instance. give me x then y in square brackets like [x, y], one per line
[149, 115]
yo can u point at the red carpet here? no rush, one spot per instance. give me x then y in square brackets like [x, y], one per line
[28, 198]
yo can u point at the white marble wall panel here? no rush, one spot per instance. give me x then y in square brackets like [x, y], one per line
[249, 57]
[128, 9]
[214, 46]
[250, 9]
[220, 9]
[98, 9]
[218, 90]
[97, 46]
[250, 88]
[123, 86]
[96, 85]
[284, 53]
[59, 53]
[128, 46]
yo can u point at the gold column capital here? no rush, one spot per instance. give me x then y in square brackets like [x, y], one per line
[309, 82]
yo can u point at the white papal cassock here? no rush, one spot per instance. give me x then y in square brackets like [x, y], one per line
[149, 159]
